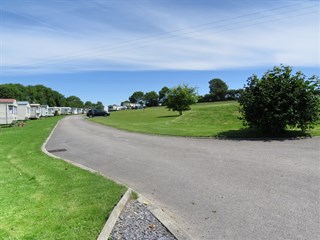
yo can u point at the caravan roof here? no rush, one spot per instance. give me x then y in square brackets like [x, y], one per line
[23, 103]
[7, 100]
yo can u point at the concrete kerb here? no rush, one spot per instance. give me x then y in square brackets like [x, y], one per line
[112, 219]
[168, 222]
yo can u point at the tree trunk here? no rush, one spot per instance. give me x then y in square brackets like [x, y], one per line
[180, 113]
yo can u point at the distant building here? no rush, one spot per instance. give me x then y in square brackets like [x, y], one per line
[115, 107]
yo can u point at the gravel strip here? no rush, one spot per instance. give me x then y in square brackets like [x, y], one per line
[137, 222]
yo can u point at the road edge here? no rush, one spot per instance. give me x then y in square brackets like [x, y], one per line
[113, 217]
[165, 220]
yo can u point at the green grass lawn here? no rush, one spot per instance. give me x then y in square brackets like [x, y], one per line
[46, 198]
[203, 120]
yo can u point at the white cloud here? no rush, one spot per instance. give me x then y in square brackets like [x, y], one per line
[98, 42]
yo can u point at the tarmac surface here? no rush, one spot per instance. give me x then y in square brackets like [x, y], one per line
[214, 189]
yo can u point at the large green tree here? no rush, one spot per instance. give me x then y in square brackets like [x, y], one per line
[152, 99]
[280, 100]
[218, 89]
[180, 98]
[74, 102]
[137, 97]
[99, 105]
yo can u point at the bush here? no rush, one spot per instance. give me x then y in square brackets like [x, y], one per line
[280, 100]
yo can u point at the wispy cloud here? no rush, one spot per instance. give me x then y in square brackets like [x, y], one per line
[71, 36]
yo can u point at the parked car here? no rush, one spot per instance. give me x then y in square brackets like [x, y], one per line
[97, 112]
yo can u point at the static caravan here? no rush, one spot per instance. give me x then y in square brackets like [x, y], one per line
[80, 110]
[23, 110]
[115, 108]
[44, 110]
[50, 111]
[35, 111]
[57, 110]
[74, 110]
[8, 111]
[65, 110]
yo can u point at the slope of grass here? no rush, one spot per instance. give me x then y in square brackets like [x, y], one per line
[45, 198]
[203, 120]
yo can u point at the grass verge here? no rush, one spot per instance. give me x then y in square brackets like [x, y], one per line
[204, 120]
[45, 198]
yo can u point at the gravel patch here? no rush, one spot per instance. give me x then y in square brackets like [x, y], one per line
[137, 222]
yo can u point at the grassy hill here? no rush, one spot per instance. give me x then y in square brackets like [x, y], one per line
[203, 120]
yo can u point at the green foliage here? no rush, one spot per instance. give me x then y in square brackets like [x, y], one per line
[205, 98]
[99, 105]
[280, 100]
[180, 98]
[152, 99]
[33, 94]
[218, 89]
[88, 105]
[137, 97]
[163, 95]
[43, 95]
[74, 102]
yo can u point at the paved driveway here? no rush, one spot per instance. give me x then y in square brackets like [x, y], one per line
[214, 189]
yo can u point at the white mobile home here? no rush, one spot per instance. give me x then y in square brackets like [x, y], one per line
[35, 111]
[51, 111]
[80, 110]
[65, 110]
[56, 110]
[8, 111]
[24, 110]
[44, 110]
[74, 110]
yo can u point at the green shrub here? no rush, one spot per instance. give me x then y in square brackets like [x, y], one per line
[280, 100]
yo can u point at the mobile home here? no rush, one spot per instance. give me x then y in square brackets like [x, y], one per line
[80, 110]
[56, 110]
[44, 110]
[35, 111]
[8, 111]
[51, 111]
[74, 110]
[23, 110]
[65, 110]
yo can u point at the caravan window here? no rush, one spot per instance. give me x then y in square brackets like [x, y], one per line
[11, 109]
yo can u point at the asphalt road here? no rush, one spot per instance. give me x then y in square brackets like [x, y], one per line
[214, 189]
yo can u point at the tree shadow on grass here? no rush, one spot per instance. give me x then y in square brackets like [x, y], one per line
[169, 116]
[247, 134]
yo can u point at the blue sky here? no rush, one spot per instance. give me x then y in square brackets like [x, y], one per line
[107, 49]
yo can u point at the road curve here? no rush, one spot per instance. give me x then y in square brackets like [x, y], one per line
[214, 189]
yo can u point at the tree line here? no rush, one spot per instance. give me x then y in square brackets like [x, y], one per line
[44, 96]
[218, 92]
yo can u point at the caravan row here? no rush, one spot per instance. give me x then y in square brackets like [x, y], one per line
[12, 110]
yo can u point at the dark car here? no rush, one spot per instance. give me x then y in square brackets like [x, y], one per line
[97, 112]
